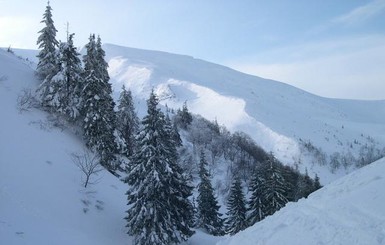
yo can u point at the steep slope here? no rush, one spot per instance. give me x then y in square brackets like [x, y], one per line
[279, 117]
[349, 211]
[42, 200]
[298, 127]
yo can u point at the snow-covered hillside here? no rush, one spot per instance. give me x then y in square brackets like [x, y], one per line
[276, 115]
[281, 118]
[348, 211]
[42, 198]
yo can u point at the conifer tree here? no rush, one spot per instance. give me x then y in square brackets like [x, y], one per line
[304, 186]
[274, 188]
[102, 63]
[236, 205]
[127, 121]
[47, 66]
[98, 108]
[158, 197]
[209, 217]
[67, 83]
[184, 117]
[47, 43]
[257, 203]
[268, 191]
[173, 129]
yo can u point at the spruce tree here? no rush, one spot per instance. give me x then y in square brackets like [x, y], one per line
[173, 131]
[158, 197]
[274, 189]
[236, 205]
[209, 217]
[257, 203]
[127, 121]
[67, 83]
[47, 43]
[47, 66]
[102, 64]
[304, 186]
[184, 117]
[98, 108]
[269, 191]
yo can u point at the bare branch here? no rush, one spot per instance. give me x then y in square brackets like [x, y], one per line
[26, 100]
[89, 164]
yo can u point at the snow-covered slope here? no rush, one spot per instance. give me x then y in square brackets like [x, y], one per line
[42, 198]
[279, 117]
[275, 114]
[349, 211]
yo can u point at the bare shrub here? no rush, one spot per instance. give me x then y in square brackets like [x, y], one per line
[26, 100]
[89, 165]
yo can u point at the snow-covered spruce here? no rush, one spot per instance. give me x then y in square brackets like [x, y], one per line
[67, 83]
[269, 191]
[127, 121]
[158, 197]
[209, 217]
[98, 106]
[236, 205]
[47, 66]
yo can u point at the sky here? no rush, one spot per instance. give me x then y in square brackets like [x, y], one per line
[330, 48]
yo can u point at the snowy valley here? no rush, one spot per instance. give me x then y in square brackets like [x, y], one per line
[298, 127]
[107, 144]
[43, 200]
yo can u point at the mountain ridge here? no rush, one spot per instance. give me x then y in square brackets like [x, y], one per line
[279, 117]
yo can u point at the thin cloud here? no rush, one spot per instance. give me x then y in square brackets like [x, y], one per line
[350, 68]
[362, 13]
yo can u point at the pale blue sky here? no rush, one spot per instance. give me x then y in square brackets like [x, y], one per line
[330, 48]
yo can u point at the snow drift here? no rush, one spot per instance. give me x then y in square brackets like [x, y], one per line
[348, 211]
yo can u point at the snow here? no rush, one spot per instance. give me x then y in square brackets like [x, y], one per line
[277, 116]
[348, 211]
[43, 200]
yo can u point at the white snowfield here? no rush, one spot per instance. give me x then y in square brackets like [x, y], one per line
[349, 211]
[42, 200]
[274, 114]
